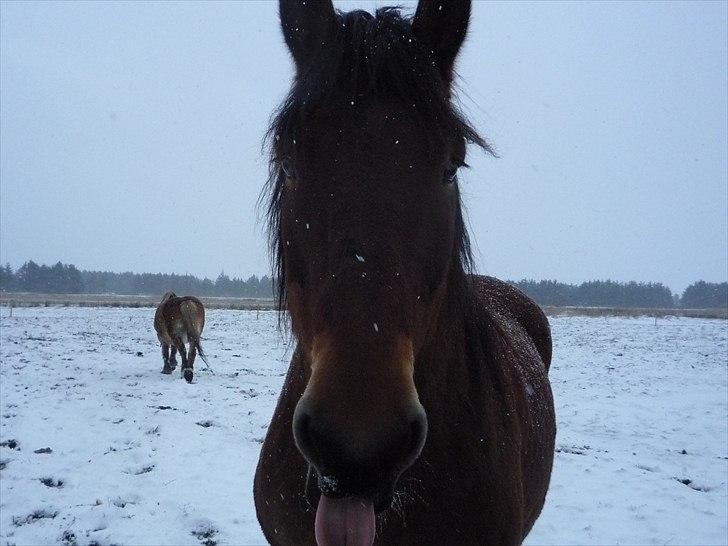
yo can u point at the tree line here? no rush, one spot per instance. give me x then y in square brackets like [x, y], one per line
[699, 295]
[600, 294]
[67, 279]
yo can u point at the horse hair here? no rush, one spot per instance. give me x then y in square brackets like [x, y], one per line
[369, 57]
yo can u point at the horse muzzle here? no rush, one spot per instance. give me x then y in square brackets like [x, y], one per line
[350, 480]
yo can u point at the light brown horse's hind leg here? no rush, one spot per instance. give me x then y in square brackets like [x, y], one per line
[186, 367]
[190, 361]
[165, 356]
[173, 357]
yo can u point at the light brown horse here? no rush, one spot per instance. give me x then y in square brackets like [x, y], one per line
[179, 321]
[417, 408]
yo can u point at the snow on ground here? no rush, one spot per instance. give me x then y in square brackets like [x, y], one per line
[137, 457]
[642, 442]
[144, 457]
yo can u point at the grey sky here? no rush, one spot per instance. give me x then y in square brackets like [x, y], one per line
[121, 120]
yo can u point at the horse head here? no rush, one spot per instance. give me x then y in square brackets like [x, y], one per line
[368, 233]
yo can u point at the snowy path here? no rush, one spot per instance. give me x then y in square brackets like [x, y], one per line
[142, 458]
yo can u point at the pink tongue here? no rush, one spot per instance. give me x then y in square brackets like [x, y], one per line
[344, 522]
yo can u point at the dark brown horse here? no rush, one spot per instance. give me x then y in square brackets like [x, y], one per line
[417, 407]
[179, 321]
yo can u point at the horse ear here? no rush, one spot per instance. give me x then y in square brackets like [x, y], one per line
[441, 25]
[307, 26]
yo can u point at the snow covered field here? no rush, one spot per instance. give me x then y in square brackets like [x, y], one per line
[137, 457]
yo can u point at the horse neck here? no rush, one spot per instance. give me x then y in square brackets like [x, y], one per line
[443, 366]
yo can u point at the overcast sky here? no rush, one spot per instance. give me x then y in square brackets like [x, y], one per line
[130, 136]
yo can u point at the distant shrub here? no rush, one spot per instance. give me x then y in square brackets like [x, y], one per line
[704, 295]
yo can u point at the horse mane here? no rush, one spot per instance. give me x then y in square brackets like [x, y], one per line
[168, 296]
[368, 57]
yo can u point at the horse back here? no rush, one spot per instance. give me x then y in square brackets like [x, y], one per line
[510, 303]
[515, 340]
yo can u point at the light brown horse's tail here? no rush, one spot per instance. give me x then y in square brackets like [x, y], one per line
[193, 317]
[200, 352]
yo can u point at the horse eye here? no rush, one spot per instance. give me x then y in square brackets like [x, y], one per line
[451, 173]
[288, 168]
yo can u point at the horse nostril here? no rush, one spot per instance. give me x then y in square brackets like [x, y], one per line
[302, 429]
[310, 437]
[417, 435]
